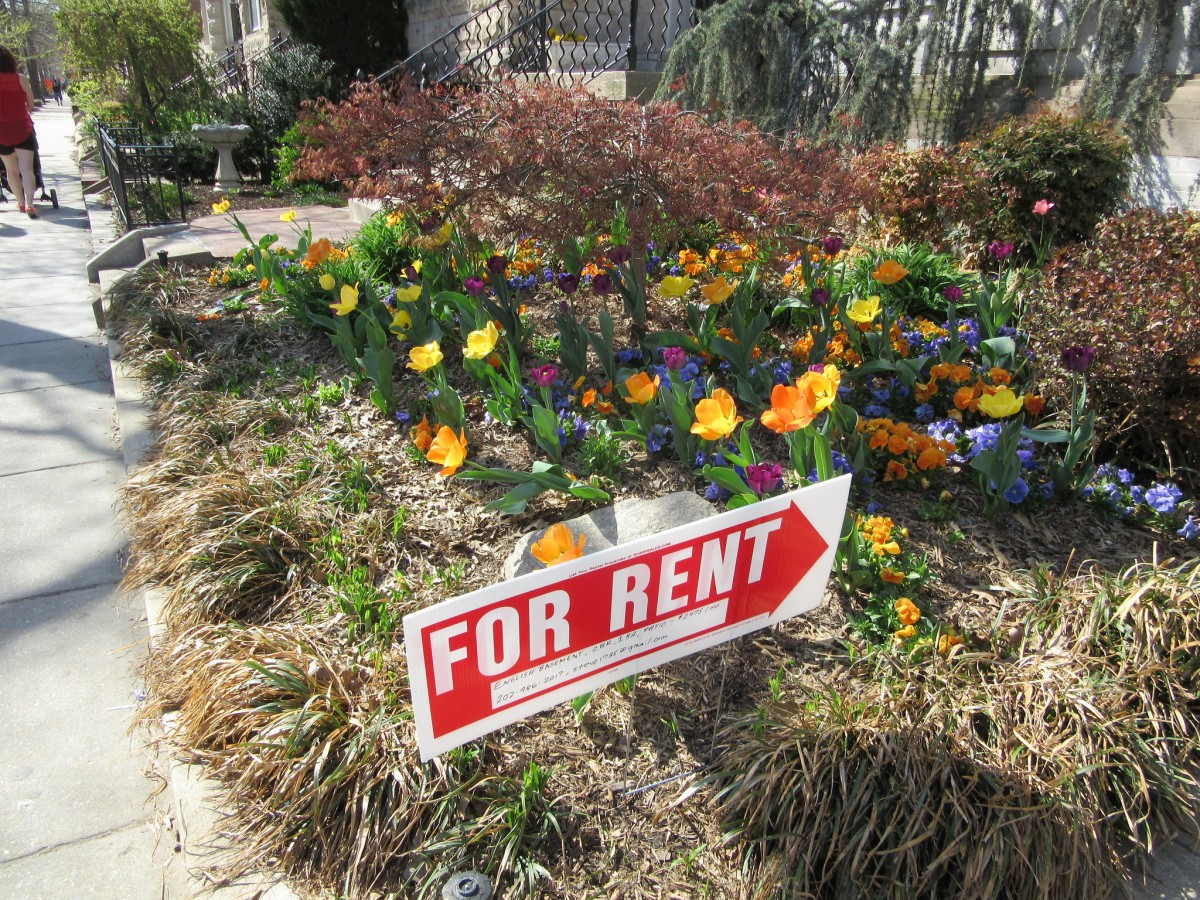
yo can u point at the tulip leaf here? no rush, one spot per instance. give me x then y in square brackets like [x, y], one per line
[514, 502]
[726, 478]
[589, 492]
[737, 501]
[671, 339]
[1047, 435]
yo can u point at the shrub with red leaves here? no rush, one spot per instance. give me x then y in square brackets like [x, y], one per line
[1133, 293]
[931, 194]
[516, 159]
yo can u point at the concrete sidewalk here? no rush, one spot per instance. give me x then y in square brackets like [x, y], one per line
[77, 815]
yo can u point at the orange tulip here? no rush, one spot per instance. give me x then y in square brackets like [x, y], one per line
[716, 416]
[790, 410]
[448, 450]
[641, 387]
[889, 272]
[558, 546]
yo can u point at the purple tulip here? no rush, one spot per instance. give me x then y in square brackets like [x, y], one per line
[568, 283]
[832, 245]
[819, 296]
[619, 254]
[764, 477]
[602, 283]
[1077, 359]
[497, 264]
[952, 292]
[543, 376]
[475, 286]
[674, 358]
[1000, 250]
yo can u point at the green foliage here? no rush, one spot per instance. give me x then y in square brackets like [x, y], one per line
[383, 245]
[603, 454]
[1130, 293]
[1080, 163]
[287, 77]
[372, 39]
[157, 42]
[920, 291]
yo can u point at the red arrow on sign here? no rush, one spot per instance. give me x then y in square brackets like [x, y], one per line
[495, 656]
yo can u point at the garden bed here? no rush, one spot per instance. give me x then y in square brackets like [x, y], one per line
[1000, 693]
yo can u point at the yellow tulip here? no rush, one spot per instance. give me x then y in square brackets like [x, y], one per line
[401, 322]
[289, 216]
[719, 291]
[864, 311]
[449, 450]
[557, 545]
[425, 357]
[220, 208]
[641, 388]
[348, 301]
[716, 416]
[820, 387]
[675, 285]
[443, 233]
[408, 294]
[481, 343]
[327, 281]
[1000, 404]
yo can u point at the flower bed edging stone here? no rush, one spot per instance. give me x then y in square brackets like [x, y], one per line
[620, 523]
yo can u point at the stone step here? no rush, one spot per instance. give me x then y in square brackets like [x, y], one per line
[180, 248]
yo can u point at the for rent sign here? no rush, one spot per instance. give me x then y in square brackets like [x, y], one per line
[495, 656]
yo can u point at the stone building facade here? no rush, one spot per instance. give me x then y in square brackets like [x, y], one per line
[248, 25]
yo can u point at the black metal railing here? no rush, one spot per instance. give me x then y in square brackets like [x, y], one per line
[566, 41]
[143, 177]
[234, 72]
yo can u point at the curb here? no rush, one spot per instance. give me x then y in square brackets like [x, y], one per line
[193, 799]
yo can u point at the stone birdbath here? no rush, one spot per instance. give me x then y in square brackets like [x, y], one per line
[224, 138]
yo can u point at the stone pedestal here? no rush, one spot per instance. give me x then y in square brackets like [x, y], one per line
[224, 138]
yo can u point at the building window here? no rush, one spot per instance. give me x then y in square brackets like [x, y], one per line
[253, 15]
[233, 23]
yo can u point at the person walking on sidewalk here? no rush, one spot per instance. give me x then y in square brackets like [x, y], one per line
[58, 90]
[18, 143]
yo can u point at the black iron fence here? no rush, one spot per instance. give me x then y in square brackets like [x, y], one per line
[234, 72]
[566, 41]
[143, 177]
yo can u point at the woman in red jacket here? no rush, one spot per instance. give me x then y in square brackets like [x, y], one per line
[18, 143]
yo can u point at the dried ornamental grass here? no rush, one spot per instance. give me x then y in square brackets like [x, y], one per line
[984, 776]
[318, 756]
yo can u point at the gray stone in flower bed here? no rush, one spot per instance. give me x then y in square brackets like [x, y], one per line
[620, 523]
